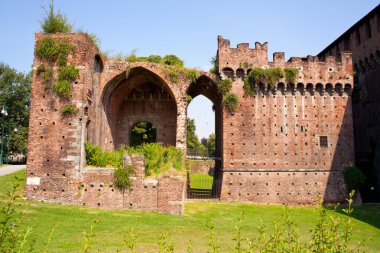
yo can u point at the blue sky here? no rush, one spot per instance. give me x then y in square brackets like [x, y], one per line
[188, 29]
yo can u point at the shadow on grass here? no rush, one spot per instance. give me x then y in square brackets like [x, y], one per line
[368, 213]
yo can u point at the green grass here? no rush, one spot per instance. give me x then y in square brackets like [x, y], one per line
[201, 181]
[72, 221]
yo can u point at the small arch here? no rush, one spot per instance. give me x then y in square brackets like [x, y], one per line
[319, 89]
[339, 89]
[240, 73]
[290, 89]
[329, 89]
[98, 64]
[228, 72]
[310, 89]
[301, 88]
[347, 89]
[261, 89]
[281, 88]
[143, 132]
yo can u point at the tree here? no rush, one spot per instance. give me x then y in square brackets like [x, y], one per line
[15, 99]
[211, 144]
[143, 132]
[192, 139]
[55, 22]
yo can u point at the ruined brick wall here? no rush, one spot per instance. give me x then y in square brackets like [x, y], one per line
[55, 150]
[271, 144]
[363, 40]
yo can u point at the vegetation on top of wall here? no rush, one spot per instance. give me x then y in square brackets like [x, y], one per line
[158, 158]
[69, 110]
[53, 51]
[353, 178]
[269, 76]
[55, 22]
[68, 73]
[290, 74]
[231, 100]
[224, 86]
[122, 178]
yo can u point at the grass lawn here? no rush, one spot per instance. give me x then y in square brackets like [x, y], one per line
[71, 222]
[201, 181]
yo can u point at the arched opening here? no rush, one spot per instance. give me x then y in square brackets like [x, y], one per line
[310, 89]
[143, 132]
[339, 89]
[98, 64]
[301, 88]
[240, 73]
[206, 113]
[138, 96]
[329, 89]
[281, 88]
[228, 72]
[319, 89]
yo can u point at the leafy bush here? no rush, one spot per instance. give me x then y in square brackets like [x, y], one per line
[63, 89]
[191, 74]
[122, 177]
[172, 73]
[172, 60]
[68, 73]
[69, 110]
[353, 178]
[231, 101]
[47, 49]
[154, 58]
[224, 86]
[55, 22]
[290, 74]
[40, 69]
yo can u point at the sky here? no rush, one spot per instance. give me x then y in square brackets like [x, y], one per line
[188, 29]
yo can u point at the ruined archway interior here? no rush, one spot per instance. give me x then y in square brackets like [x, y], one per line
[139, 96]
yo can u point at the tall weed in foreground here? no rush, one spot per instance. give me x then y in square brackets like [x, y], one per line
[12, 238]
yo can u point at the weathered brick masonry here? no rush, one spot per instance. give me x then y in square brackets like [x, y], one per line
[286, 146]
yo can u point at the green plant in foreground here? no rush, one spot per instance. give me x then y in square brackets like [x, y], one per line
[231, 101]
[69, 110]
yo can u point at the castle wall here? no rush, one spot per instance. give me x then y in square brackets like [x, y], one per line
[363, 40]
[274, 138]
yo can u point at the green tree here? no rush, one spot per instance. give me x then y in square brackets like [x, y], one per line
[55, 22]
[143, 132]
[211, 144]
[15, 99]
[192, 139]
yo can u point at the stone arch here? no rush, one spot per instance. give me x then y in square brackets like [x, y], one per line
[329, 89]
[338, 89]
[281, 88]
[137, 95]
[240, 73]
[208, 87]
[301, 88]
[98, 64]
[310, 89]
[228, 72]
[347, 89]
[319, 89]
[290, 89]
[261, 89]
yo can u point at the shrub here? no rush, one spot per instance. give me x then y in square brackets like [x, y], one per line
[191, 74]
[172, 60]
[63, 89]
[69, 110]
[353, 178]
[47, 77]
[40, 69]
[122, 177]
[47, 49]
[68, 73]
[290, 74]
[224, 86]
[55, 22]
[172, 73]
[154, 58]
[231, 101]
